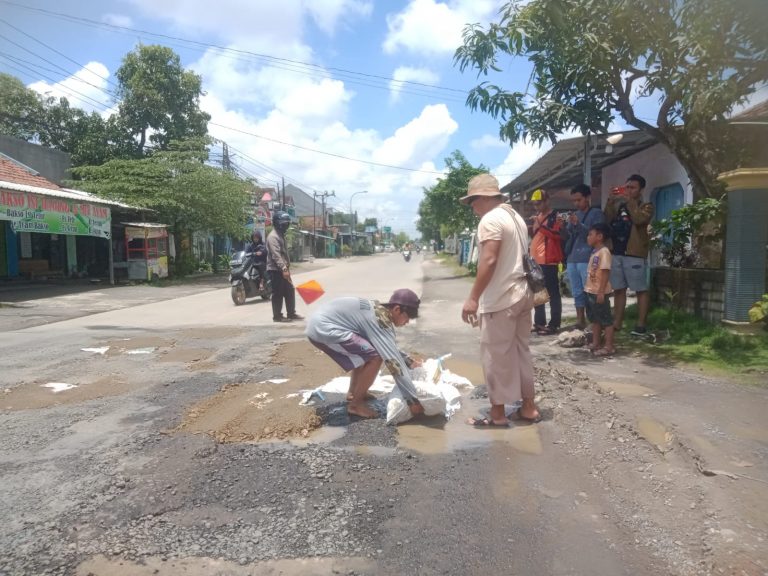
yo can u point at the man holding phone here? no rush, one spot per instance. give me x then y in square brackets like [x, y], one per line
[628, 216]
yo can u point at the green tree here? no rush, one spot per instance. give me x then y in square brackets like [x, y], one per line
[177, 186]
[440, 212]
[592, 59]
[159, 100]
[21, 109]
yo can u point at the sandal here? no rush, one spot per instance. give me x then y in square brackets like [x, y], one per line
[603, 352]
[546, 331]
[535, 420]
[487, 423]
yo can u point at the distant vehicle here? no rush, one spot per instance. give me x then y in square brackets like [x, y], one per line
[407, 255]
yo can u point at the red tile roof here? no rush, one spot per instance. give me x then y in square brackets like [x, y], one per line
[12, 172]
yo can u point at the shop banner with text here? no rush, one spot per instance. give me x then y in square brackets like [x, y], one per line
[50, 215]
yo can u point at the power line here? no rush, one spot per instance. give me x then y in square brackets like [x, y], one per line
[283, 63]
[370, 162]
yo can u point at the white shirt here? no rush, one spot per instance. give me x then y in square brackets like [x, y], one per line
[508, 284]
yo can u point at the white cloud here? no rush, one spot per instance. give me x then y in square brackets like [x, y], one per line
[487, 141]
[117, 20]
[84, 89]
[433, 27]
[327, 14]
[408, 74]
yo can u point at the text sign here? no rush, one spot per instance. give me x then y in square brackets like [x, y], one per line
[33, 213]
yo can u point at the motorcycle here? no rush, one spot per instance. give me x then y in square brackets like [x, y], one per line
[407, 255]
[244, 279]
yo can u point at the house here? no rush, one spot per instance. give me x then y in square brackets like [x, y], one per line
[48, 231]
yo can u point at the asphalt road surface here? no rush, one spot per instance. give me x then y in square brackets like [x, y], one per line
[104, 477]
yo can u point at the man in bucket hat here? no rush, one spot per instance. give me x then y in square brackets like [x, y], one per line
[359, 335]
[501, 302]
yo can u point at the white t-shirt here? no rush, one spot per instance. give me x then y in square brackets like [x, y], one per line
[508, 284]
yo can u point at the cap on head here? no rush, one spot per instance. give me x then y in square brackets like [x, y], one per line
[481, 185]
[539, 195]
[405, 297]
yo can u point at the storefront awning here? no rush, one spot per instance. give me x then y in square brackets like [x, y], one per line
[316, 235]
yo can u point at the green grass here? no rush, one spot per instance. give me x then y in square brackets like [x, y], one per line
[696, 341]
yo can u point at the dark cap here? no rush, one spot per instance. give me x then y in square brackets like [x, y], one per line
[405, 297]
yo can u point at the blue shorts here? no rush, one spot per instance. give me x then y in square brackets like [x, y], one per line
[629, 271]
[599, 313]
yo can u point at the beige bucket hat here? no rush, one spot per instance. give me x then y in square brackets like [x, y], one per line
[481, 185]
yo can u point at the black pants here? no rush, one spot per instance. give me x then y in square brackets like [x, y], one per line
[282, 290]
[552, 283]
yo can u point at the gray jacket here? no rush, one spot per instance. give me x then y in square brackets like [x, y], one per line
[277, 252]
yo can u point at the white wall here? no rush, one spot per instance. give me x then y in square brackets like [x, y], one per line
[656, 164]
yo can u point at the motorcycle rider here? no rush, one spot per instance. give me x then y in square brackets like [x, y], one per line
[278, 267]
[259, 256]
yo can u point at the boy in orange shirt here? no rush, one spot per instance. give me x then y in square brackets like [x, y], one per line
[598, 288]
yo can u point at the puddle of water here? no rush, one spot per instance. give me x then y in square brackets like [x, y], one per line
[201, 566]
[654, 433]
[323, 435]
[444, 437]
[471, 370]
[378, 451]
[626, 390]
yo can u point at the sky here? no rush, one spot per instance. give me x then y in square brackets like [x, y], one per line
[349, 96]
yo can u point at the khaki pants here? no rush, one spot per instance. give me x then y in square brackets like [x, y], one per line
[506, 358]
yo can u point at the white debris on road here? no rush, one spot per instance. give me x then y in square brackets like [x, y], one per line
[57, 387]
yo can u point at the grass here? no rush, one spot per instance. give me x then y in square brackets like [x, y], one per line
[696, 341]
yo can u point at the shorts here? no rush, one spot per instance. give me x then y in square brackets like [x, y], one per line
[629, 271]
[349, 354]
[599, 313]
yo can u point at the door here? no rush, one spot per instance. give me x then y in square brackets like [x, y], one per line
[3, 251]
[665, 200]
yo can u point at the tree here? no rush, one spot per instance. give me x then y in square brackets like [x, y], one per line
[176, 184]
[594, 58]
[440, 211]
[159, 100]
[21, 109]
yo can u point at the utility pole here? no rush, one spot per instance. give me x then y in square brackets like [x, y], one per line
[283, 194]
[323, 195]
[226, 164]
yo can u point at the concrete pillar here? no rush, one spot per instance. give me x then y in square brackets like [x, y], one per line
[746, 240]
[71, 255]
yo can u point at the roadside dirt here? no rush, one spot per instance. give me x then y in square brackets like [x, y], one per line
[266, 409]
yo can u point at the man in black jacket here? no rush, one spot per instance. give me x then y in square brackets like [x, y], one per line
[279, 269]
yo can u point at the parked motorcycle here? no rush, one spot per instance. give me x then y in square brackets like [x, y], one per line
[407, 255]
[244, 279]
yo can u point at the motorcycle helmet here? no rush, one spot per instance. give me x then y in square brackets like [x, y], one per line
[281, 221]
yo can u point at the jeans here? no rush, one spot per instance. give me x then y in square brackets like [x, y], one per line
[552, 283]
[577, 274]
[282, 290]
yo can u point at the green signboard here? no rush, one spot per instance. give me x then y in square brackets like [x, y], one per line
[387, 230]
[29, 212]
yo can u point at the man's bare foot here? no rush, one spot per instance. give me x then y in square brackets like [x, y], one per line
[529, 412]
[366, 398]
[361, 410]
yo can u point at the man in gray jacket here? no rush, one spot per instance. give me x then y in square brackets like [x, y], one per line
[279, 269]
[359, 335]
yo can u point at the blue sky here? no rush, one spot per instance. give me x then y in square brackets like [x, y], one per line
[334, 95]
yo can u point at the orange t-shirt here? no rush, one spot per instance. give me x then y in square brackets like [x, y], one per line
[539, 242]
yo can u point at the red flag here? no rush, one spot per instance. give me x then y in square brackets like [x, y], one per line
[310, 291]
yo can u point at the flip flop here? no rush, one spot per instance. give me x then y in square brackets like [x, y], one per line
[486, 423]
[535, 420]
[603, 352]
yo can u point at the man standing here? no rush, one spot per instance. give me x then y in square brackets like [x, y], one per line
[579, 223]
[279, 269]
[547, 249]
[503, 301]
[628, 217]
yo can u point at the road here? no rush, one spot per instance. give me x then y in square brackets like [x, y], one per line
[149, 465]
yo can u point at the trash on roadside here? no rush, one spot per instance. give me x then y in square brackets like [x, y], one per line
[274, 381]
[571, 339]
[102, 350]
[141, 351]
[57, 387]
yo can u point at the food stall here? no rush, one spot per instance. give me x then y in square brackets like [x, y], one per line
[146, 249]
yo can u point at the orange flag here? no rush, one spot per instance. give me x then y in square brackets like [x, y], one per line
[310, 291]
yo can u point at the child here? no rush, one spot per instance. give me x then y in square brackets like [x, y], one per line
[597, 289]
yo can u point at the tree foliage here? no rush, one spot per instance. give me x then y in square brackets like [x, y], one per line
[177, 186]
[159, 100]
[440, 212]
[593, 59]
[21, 109]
